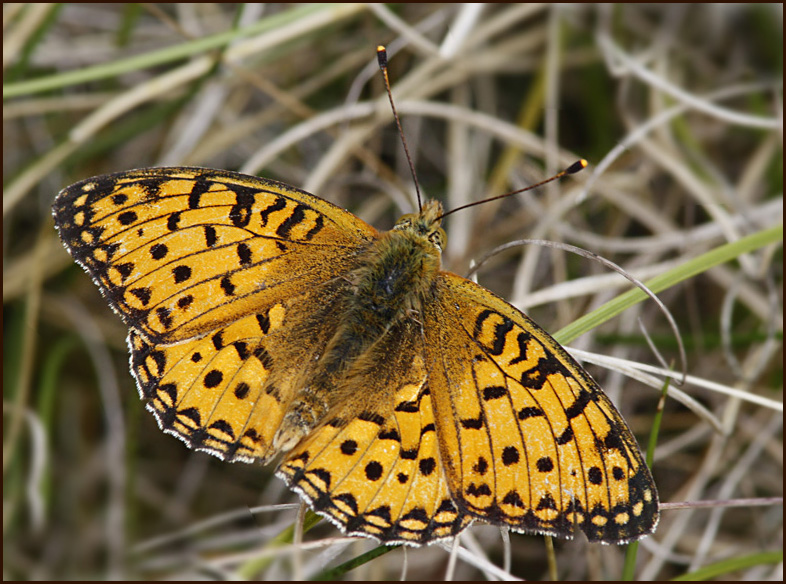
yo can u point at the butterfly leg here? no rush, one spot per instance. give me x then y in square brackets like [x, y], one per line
[302, 416]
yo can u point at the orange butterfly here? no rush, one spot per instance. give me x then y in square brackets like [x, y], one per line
[406, 401]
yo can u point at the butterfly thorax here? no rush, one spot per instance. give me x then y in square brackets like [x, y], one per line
[394, 276]
[398, 271]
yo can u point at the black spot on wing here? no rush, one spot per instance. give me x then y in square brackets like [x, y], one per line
[510, 455]
[227, 286]
[481, 466]
[530, 412]
[158, 251]
[390, 434]
[164, 316]
[213, 378]
[277, 205]
[142, 294]
[547, 502]
[595, 475]
[577, 407]
[500, 331]
[512, 498]
[125, 269]
[522, 339]
[181, 273]
[244, 254]
[173, 221]
[211, 237]
[373, 470]
[127, 218]
[473, 423]
[297, 215]
[349, 447]
[427, 466]
[372, 417]
[240, 213]
[241, 390]
[494, 392]
[201, 186]
[482, 490]
[185, 301]
[224, 427]
[545, 464]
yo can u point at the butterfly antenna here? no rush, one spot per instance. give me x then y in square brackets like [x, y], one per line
[572, 169]
[382, 59]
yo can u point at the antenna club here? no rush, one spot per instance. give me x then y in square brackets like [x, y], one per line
[576, 166]
[382, 56]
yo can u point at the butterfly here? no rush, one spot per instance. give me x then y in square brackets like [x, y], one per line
[405, 401]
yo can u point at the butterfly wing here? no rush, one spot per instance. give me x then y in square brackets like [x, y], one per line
[374, 467]
[527, 438]
[179, 251]
[205, 267]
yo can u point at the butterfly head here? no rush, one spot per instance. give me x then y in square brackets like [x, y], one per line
[427, 224]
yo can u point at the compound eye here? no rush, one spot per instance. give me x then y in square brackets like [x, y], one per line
[405, 222]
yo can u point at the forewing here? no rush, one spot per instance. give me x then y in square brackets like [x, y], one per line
[527, 437]
[179, 252]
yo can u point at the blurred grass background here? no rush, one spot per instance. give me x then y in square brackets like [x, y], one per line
[678, 109]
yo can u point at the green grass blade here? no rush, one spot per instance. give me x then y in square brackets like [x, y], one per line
[339, 571]
[733, 565]
[252, 568]
[629, 568]
[161, 56]
[689, 269]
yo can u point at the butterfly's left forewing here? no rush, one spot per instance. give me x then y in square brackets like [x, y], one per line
[180, 251]
[528, 439]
